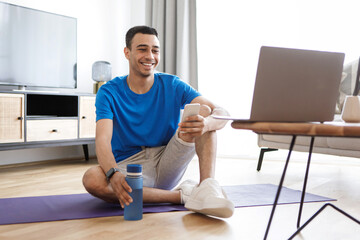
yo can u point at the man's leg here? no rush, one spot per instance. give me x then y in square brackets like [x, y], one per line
[205, 147]
[94, 181]
[208, 197]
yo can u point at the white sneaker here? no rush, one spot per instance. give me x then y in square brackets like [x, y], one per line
[186, 188]
[209, 199]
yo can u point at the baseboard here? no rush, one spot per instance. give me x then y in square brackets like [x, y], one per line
[43, 162]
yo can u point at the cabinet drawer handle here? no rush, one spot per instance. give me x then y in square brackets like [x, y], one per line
[54, 130]
[20, 118]
[83, 117]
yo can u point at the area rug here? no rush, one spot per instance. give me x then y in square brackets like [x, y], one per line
[80, 206]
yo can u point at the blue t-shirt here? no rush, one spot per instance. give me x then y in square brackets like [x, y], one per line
[149, 119]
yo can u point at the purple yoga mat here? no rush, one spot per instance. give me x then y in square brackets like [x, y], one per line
[79, 206]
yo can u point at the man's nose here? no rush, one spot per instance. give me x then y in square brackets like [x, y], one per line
[149, 55]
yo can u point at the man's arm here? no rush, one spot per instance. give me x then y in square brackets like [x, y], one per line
[104, 130]
[198, 125]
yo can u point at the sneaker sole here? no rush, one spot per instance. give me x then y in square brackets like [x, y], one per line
[218, 207]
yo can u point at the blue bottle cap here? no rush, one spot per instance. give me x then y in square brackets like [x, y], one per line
[134, 168]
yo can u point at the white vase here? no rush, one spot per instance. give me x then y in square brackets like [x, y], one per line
[351, 109]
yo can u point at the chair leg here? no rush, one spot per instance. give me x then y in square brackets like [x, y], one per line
[86, 152]
[261, 156]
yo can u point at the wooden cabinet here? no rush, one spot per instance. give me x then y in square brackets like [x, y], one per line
[11, 118]
[29, 120]
[87, 117]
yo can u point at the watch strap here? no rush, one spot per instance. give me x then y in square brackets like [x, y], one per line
[111, 172]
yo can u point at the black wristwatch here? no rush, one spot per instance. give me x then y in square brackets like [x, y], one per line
[111, 172]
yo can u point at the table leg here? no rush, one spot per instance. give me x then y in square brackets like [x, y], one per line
[318, 212]
[280, 186]
[305, 181]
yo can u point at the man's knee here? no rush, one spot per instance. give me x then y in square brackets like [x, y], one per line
[205, 110]
[93, 178]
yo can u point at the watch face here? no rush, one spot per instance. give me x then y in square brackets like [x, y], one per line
[110, 173]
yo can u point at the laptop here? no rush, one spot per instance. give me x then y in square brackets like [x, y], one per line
[295, 85]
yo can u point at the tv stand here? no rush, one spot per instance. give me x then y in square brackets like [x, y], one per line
[38, 119]
[24, 90]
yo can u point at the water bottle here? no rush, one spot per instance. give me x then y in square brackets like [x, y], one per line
[135, 180]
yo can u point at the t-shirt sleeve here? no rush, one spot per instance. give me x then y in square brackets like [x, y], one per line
[187, 92]
[103, 105]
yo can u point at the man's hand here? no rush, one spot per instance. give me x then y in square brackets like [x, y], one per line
[121, 189]
[192, 127]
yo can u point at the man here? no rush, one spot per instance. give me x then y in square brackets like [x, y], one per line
[138, 122]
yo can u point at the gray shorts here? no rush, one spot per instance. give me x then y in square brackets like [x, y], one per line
[164, 166]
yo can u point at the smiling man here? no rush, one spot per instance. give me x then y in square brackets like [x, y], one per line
[138, 122]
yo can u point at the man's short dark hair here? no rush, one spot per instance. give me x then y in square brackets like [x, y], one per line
[138, 29]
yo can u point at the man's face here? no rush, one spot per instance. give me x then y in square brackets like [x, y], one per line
[144, 55]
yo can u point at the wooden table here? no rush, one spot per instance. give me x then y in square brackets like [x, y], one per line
[327, 129]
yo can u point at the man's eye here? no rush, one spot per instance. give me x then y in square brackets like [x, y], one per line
[156, 51]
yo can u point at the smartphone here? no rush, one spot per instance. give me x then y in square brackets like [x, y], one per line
[190, 110]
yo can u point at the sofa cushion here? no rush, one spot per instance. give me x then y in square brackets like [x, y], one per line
[344, 143]
[304, 141]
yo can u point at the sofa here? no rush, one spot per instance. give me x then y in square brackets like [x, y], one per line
[348, 147]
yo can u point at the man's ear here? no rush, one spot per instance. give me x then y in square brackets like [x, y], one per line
[127, 52]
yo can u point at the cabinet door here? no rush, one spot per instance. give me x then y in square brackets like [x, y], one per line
[11, 118]
[87, 117]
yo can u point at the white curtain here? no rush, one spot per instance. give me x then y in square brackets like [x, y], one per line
[175, 21]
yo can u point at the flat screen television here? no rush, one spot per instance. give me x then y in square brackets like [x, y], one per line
[37, 48]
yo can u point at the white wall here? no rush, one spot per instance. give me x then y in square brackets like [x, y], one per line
[231, 32]
[102, 25]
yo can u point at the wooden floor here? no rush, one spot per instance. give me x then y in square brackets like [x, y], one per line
[338, 179]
